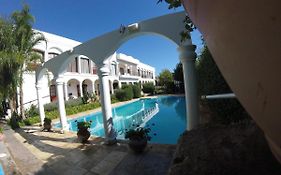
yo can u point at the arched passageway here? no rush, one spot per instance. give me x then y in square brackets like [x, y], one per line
[73, 88]
[101, 48]
[87, 87]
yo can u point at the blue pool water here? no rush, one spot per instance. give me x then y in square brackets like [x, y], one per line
[165, 116]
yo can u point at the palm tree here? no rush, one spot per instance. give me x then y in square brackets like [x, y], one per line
[10, 61]
[26, 39]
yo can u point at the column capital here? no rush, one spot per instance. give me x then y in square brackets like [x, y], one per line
[59, 80]
[187, 52]
[103, 70]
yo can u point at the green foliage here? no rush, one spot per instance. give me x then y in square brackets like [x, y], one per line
[124, 94]
[139, 133]
[166, 80]
[73, 102]
[50, 106]
[148, 88]
[165, 77]
[32, 111]
[1, 130]
[211, 81]
[31, 120]
[14, 122]
[120, 94]
[136, 91]
[172, 3]
[55, 113]
[47, 120]
[83, 125]
[114, 99]
[86, 98]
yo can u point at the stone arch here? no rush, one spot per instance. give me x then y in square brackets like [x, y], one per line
[97, 87]
[87, 86]
[73, 88]
[102, 47]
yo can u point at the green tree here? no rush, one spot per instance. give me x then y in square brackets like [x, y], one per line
[211, 81]
[178, 77]
[167, 81]
[26, 38]
[148, 88]
[10, 61]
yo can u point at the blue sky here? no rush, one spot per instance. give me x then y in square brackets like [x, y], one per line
[87, 19]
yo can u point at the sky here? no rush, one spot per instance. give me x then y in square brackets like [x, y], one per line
[86, 19]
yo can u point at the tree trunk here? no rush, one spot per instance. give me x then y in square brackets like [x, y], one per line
[21, 102]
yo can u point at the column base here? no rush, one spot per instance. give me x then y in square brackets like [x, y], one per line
[109, 142]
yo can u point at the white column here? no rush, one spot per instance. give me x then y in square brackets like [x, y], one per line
[81, 89]
[126, 69]
[110, 133]
[79, 64]
[93, 86]
[65, 91]
[187, 57]
[117, 69]
[61, 106]
[111, 87]
[119, 84]
[40, 103]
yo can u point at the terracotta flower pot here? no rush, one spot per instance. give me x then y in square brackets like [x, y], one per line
[138, 146]
[83, 135]
[245, 40]
[47, 126]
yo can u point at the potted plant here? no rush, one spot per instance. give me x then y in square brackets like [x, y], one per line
[47, 124]
[83, 133]
[138, 138]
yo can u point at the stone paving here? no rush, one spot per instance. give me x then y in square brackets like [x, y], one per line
[37, 152]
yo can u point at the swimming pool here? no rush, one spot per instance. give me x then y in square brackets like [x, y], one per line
[165, 115]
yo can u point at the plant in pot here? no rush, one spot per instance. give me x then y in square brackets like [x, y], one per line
[83, 132]
[47, 124]
[138, 138]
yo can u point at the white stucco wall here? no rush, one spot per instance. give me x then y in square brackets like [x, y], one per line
[58, 44]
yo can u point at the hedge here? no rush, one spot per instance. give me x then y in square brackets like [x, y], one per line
[69, 111]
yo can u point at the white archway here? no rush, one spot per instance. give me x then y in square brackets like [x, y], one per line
[100, 48]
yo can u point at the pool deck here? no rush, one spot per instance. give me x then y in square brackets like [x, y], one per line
[37, 152]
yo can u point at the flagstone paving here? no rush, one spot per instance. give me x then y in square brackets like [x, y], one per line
[37, 152]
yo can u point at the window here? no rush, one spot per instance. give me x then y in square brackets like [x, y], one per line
[85, 65]
[129, 71]
[53, 92]
[73, 66]
[122, 71]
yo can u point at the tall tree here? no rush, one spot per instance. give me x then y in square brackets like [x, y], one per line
[10, 61]
[166, 80]
[26, 39]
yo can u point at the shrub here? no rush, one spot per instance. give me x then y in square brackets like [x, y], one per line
[14, 122]
[50, 106]
[86, 98]
[136, 91]
[129, 92]
[1, 130]
[148, 88]
[32, 111]
[120, 94]
[31, 120]
[211, 81]
[73, 102]
[114, 99]
[124, 94]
